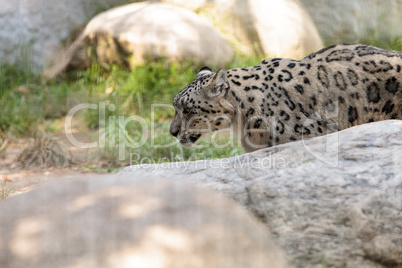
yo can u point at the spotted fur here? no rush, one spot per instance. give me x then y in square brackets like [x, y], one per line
[283, 100]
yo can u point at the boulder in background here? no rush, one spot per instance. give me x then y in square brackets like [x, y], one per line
[32, 32]
[130, 34]
[343, 21]
[280, 28]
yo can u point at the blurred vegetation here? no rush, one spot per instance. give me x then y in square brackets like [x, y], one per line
[45, 152]
[28, 102]
[4, 191]
[31, 105]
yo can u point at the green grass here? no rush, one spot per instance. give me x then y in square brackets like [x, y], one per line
[29, 103]
[4, 191]
[160, 147]
[133, 92]
[26, 100]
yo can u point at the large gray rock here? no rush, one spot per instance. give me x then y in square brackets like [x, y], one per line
[272, 27]
[343, 21]
[130, 34]
[32, 32]
[332, 201]
[121, 222]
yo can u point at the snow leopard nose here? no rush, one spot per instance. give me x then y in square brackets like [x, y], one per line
[174, 133]
[174, 127]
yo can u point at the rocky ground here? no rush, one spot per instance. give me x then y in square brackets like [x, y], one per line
[16, 179]
[331, 201]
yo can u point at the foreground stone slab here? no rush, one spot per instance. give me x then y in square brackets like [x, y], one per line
[124, 222]
[333, 200]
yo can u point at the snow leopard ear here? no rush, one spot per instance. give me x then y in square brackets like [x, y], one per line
[219, 84]
[204, 70]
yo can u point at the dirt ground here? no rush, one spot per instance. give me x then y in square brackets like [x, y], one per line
[15, 179]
